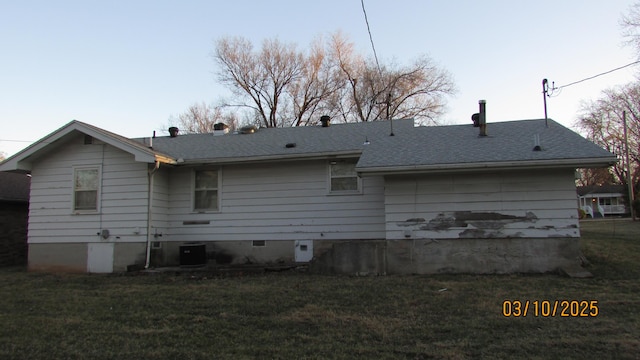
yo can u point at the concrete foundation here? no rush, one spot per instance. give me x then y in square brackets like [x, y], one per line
[228, 252]
[477, 256]
[72, 257]
[127, 254]
[361, 257]
[65, 257]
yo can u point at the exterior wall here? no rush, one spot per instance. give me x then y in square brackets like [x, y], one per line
[275, 202]
[499, 222]
[13, 233]
[525, 204]
[479, 223]
[123, 203]
[160, 201]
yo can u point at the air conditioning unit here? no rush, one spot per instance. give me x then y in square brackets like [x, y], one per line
[194, 254]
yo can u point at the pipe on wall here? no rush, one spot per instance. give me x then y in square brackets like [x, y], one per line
[152, 173]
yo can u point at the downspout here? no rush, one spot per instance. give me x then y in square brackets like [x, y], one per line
[152, 172]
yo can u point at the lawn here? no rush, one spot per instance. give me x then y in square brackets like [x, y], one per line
[293, 315]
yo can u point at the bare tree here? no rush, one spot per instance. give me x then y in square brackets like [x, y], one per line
[602, 122]
[286, 87]
[311, 92]
[596, 176]
[631, 27]
[262, 76]
[202, 118]
[414, 91]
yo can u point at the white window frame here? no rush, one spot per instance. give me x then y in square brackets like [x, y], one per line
[358, 189]
[98, 189]
[193, 190]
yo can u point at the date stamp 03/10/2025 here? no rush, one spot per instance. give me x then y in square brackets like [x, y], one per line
[550, 308]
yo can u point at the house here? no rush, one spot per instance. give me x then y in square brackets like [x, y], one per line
[600, 201]
[378, 197]
[14, 211]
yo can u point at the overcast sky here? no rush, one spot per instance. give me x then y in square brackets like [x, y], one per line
[127, 66]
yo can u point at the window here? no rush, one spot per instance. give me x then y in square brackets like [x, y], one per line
[86, 182]
[205, 196]
[343, 176]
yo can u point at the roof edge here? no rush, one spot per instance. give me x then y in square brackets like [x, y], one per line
[271, 158]
[139, 151]
[479, 166]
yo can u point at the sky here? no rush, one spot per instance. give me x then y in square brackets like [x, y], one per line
[128, 66]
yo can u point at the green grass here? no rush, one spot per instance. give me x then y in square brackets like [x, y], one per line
[296, 316]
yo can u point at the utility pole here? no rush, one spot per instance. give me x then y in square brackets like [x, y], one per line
[545, 90]
[626, 155]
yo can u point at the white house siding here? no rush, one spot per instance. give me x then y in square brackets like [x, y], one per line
[123, 200]
[160, 202]
[275, 202]
[509, 204]
[498, 222]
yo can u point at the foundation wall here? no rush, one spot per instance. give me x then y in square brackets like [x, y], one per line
[477, 256]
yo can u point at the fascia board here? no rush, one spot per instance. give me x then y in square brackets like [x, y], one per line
[483, 166]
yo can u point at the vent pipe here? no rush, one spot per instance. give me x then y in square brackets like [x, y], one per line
[482, 117]
[536, 143]
[325, 120]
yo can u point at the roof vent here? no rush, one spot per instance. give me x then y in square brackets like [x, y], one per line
[325, 120]
[290, 145]
[536, 143]
[249, 129]
[173, 131]
[220, 129]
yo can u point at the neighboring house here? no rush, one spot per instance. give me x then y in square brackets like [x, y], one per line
[14, 211]
[600, 201]
[348, 198]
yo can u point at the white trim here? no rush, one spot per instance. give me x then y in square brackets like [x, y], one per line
[98, 189]
[343, 192]
[493, 166]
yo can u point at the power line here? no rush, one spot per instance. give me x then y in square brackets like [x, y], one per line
[595, 76]
[24, 141]
[366, 20]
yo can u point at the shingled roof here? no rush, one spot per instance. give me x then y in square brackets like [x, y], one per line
[279, 143]
[601, 189]
[508, 144]
[411, 149]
